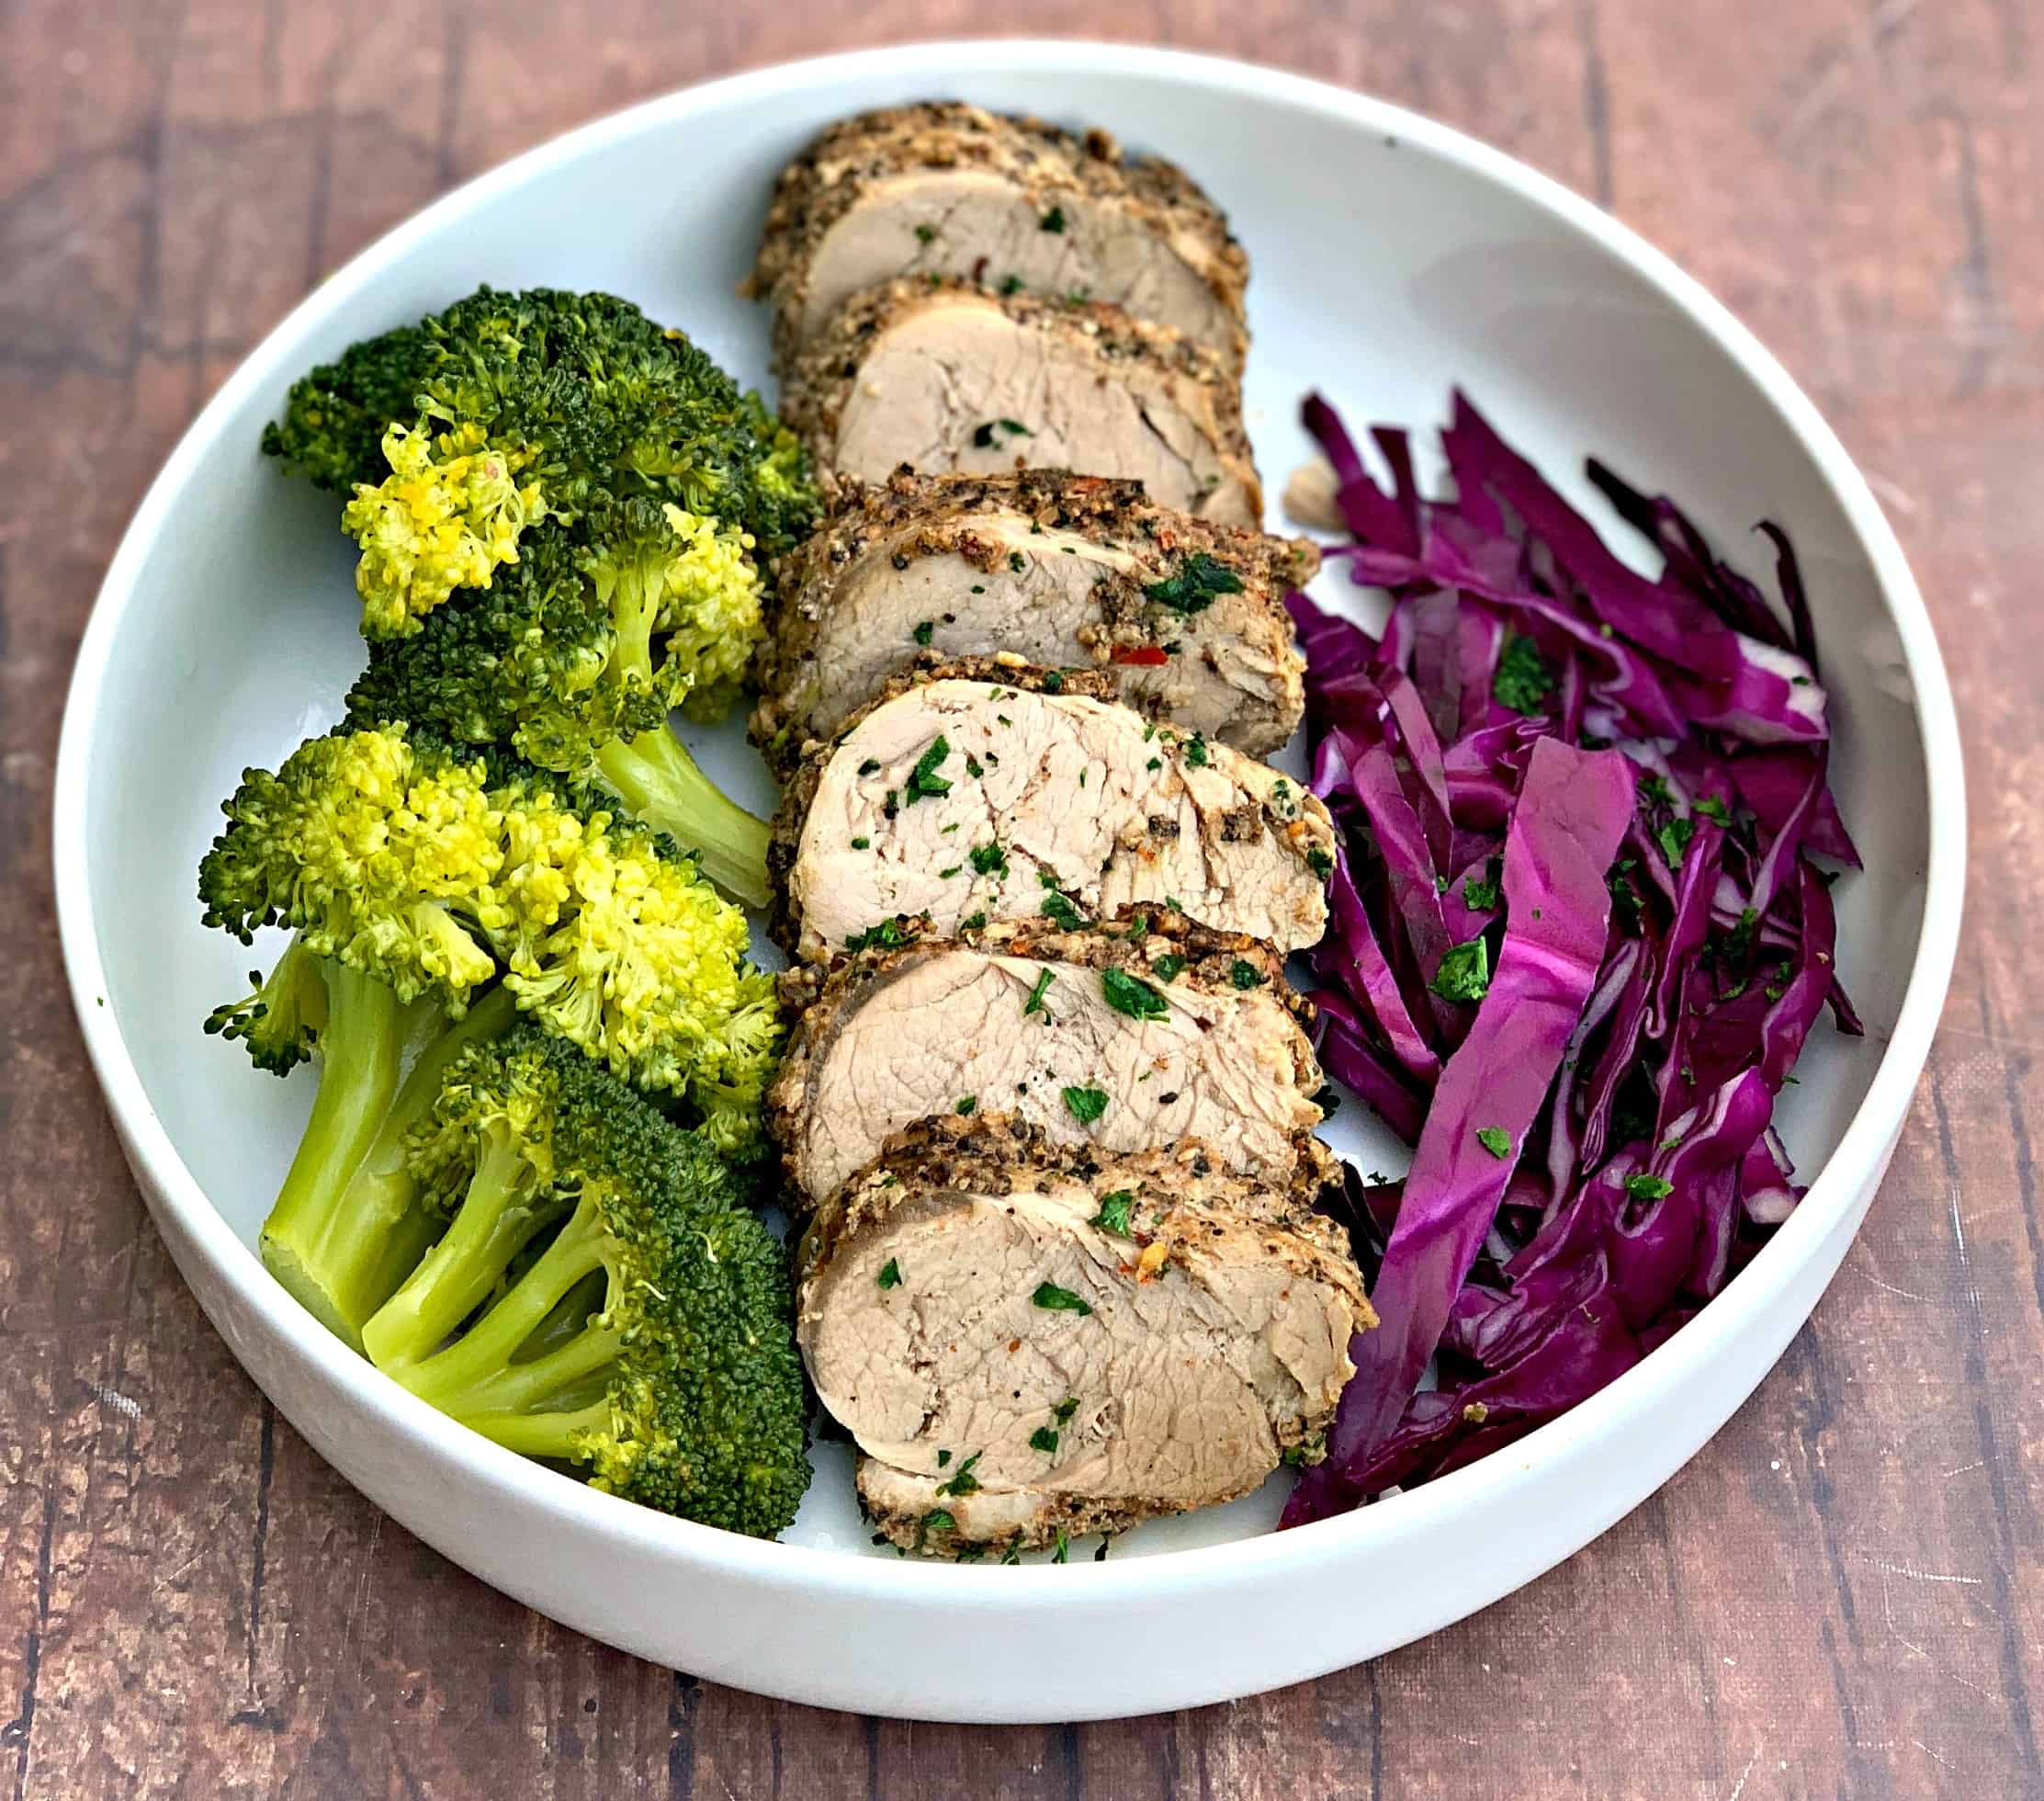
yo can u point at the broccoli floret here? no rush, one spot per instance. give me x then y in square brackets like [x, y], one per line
[334, 423]
[575, 656]
[647, 1340]
[537, 405]
[419, 879]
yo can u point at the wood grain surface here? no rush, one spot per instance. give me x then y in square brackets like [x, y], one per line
[1843, 1595]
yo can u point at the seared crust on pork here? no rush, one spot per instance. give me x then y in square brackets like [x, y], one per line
[1193, 1331]
[945, 376]
[1046, 777]
[1049, 568]
[946, 189]
[1124, 1035]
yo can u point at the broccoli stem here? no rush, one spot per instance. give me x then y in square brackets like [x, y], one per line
[542, 1435]
[347, 1227]
[477, 1376]
[658, 779]
[637, 581]
[496, 1219]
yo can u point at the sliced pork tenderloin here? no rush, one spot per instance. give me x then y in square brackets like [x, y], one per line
[964, 789]
[945, 189]
[1121, 1037]
[1024, 1338]
[944, 376]
[1188, 617]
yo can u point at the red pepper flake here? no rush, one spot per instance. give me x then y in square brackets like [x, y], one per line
[1144, 656]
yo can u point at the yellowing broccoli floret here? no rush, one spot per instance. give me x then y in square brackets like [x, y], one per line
[448, 515]
[711, 615]
[425, 884]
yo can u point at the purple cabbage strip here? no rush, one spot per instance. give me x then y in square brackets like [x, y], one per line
[1629, 1050]
[1571, 813]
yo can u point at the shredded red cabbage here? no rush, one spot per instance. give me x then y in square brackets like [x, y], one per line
[1576, 940]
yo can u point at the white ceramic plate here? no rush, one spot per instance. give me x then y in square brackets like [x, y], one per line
[1392, 258]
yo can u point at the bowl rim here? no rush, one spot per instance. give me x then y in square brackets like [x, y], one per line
[165, 1181]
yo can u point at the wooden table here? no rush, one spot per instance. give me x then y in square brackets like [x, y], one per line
[1843, 1595]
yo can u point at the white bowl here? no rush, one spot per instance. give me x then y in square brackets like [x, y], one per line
[1393, 257]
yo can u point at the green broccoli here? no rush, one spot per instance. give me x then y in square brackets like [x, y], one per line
[523, 407]
[332, 428]
[425, 885]
[634, 1317]
[575, 655]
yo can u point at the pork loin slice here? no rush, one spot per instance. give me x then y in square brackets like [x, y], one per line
[1022, 1339]
[942, 376]
[1120, 1037]
[963, 790]
[1187, 617]
[947, 189]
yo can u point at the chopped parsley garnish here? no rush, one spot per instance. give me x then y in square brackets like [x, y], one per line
[973, 922]
[883, 936]
[965, 1104]
[1054, 683]
[890, 1277]
[1058, 909]
[1194, 585]
[1245, 974]
[926, 234]
[1053, 1300]
[1017, 562]
[963, 1481]
[973, 766]
[871, 766]
[988, 859]
[1654, 790]
[1154, 763]
[1053, 220]
[1035, 1002]
[1112, 1216]
[945, 875]
[1064, 1411]
[1523, 679]
[1648, 1188]
[987, 436]
[1043, 1439]
[1464, 972]
[1320, 863]
[1063, 1554]
[1674, 840]
[862, 843]
[1486, 893]
[923, 633]
[1085, 1104]
[1169, 966]
[937, 1520]
[1714, 809]
[924, 783]
[1195, 752]
[943, 1458]
[1494, 1140]
[1128, 994]
[1011, 284]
